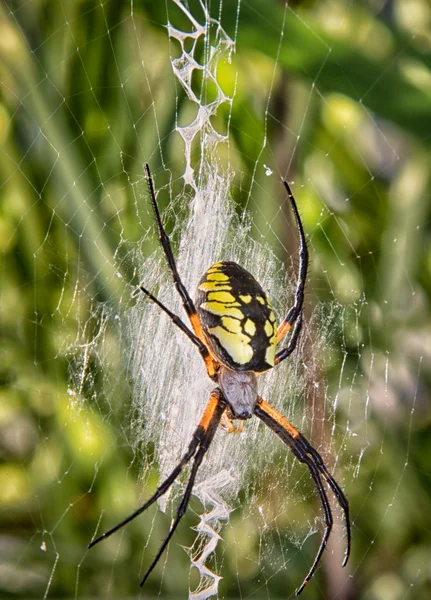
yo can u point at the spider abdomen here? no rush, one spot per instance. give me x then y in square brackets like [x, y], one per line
[237, 318]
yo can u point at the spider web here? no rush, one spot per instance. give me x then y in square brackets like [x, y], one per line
[103, 394]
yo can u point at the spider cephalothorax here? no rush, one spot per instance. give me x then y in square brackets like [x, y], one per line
[235, 331]
[240, 392]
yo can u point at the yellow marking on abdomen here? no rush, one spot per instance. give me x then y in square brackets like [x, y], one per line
[211, 286]
[215, 276]
[222, 297]
[246, 299]
[250, 327]
[260, 300]
[270, 355]
[221, 310]
[215, 268]
[232, 325]
[268, 329]
[270, 351]
[236, 345]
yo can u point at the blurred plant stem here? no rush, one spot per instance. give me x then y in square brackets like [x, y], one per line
[403, 238]
[62, 162]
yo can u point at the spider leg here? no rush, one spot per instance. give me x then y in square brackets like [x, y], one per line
[215, 407]
[229, 426]
[296, 309]
[305, 453]
[162, 489]
[337, 491]
[314, 472]
[166, 245]
[207, 358]
[211, 415]
[293, 340]
[189, 307]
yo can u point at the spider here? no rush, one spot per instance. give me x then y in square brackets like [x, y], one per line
[234, 328]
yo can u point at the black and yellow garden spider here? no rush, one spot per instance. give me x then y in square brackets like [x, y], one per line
[234, 329]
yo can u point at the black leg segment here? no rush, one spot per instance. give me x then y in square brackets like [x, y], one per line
[296, 309]
[308, 455]
[200, 443]
[166, 245]
[178, 322]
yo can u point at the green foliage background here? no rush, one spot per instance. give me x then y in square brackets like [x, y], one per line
[67, 158]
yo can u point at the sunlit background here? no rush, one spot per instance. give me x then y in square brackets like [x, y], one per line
[333, 95]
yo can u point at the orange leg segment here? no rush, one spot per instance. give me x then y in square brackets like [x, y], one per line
[278, 418]
[198, 446]
[189, 307]
[210, 363]
[282, 330]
